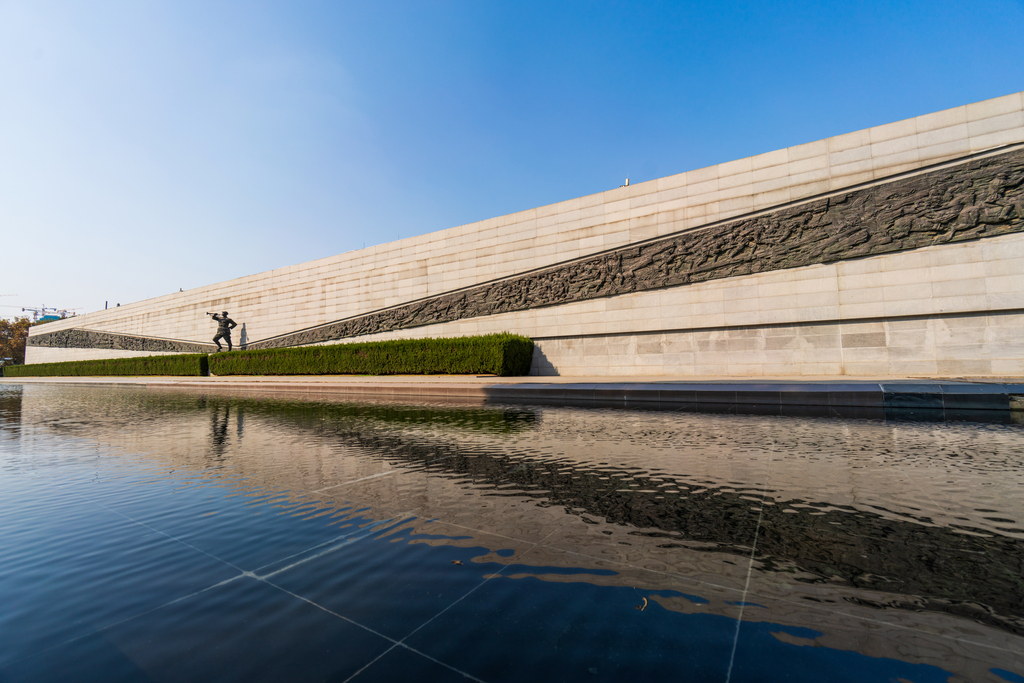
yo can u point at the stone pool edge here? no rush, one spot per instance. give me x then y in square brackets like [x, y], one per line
[915, 398]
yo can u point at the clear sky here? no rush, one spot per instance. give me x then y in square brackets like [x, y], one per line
[150, 146]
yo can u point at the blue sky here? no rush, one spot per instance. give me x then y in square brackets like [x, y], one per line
[147, 146]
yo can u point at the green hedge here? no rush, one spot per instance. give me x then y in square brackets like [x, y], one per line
[190, 364]
[496, 354]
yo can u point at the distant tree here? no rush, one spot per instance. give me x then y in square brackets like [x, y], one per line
[13, 335]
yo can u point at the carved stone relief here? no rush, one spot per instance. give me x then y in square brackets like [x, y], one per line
[92, 339]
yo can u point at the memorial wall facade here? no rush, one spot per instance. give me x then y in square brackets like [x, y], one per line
[895, 250]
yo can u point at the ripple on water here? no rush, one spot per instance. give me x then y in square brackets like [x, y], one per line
[505, 542]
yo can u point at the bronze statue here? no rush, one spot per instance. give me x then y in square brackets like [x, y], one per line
[224, 327]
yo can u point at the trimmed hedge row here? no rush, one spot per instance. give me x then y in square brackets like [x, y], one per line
[183, 364]
[496, 354]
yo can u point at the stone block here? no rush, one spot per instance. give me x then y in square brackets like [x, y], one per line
[853, 155]
[994, 107]
[701, 175]
[951, 288]
[768, 159]
[810, 189]
[942, 136]
[865, 368]
[961, 303]
[963, 367]
[862, 327]
[894, 146]
[700, 210]
[865, 295]
[866, 354]
[942, 119]
[927, 368]
[764, 200]
[644, 188]
[886, 165]
[838, 182]
[1005, 247]
[847, 141]
[763, 186]
[826, 344]
[669, 182]
[995, 139]
[1007, 367]
[817, 149]
[696, 189]
[649, 199]
[739, 205]
[994, 124]
[737, 181]
[1004, 284]
[735, 167]
[891, 131]
[864, 340]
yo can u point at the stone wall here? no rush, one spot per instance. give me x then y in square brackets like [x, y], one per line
[964, 301]
[47, 354]
[680, 256]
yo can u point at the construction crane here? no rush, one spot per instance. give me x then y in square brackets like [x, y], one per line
[45, 314]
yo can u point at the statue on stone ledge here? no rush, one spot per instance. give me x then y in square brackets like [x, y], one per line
[224, 327]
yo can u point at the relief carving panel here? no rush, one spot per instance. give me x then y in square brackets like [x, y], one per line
[92, 339]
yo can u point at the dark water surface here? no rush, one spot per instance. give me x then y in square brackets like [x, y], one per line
[167, 536]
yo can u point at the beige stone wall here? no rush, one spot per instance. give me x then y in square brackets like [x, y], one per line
[38, 354]
[940, 346]
[313, 293]
[846, 318]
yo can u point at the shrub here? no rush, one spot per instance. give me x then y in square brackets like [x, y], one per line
[497, 354]
[191, 364]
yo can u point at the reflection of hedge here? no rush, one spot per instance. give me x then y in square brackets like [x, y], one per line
[187, 364]
[496, 354]
[346, 417]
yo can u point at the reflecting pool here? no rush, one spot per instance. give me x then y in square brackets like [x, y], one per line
[159, 535]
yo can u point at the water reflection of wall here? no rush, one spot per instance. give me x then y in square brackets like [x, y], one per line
[10, 410]
[876, 520]
[894, 470]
